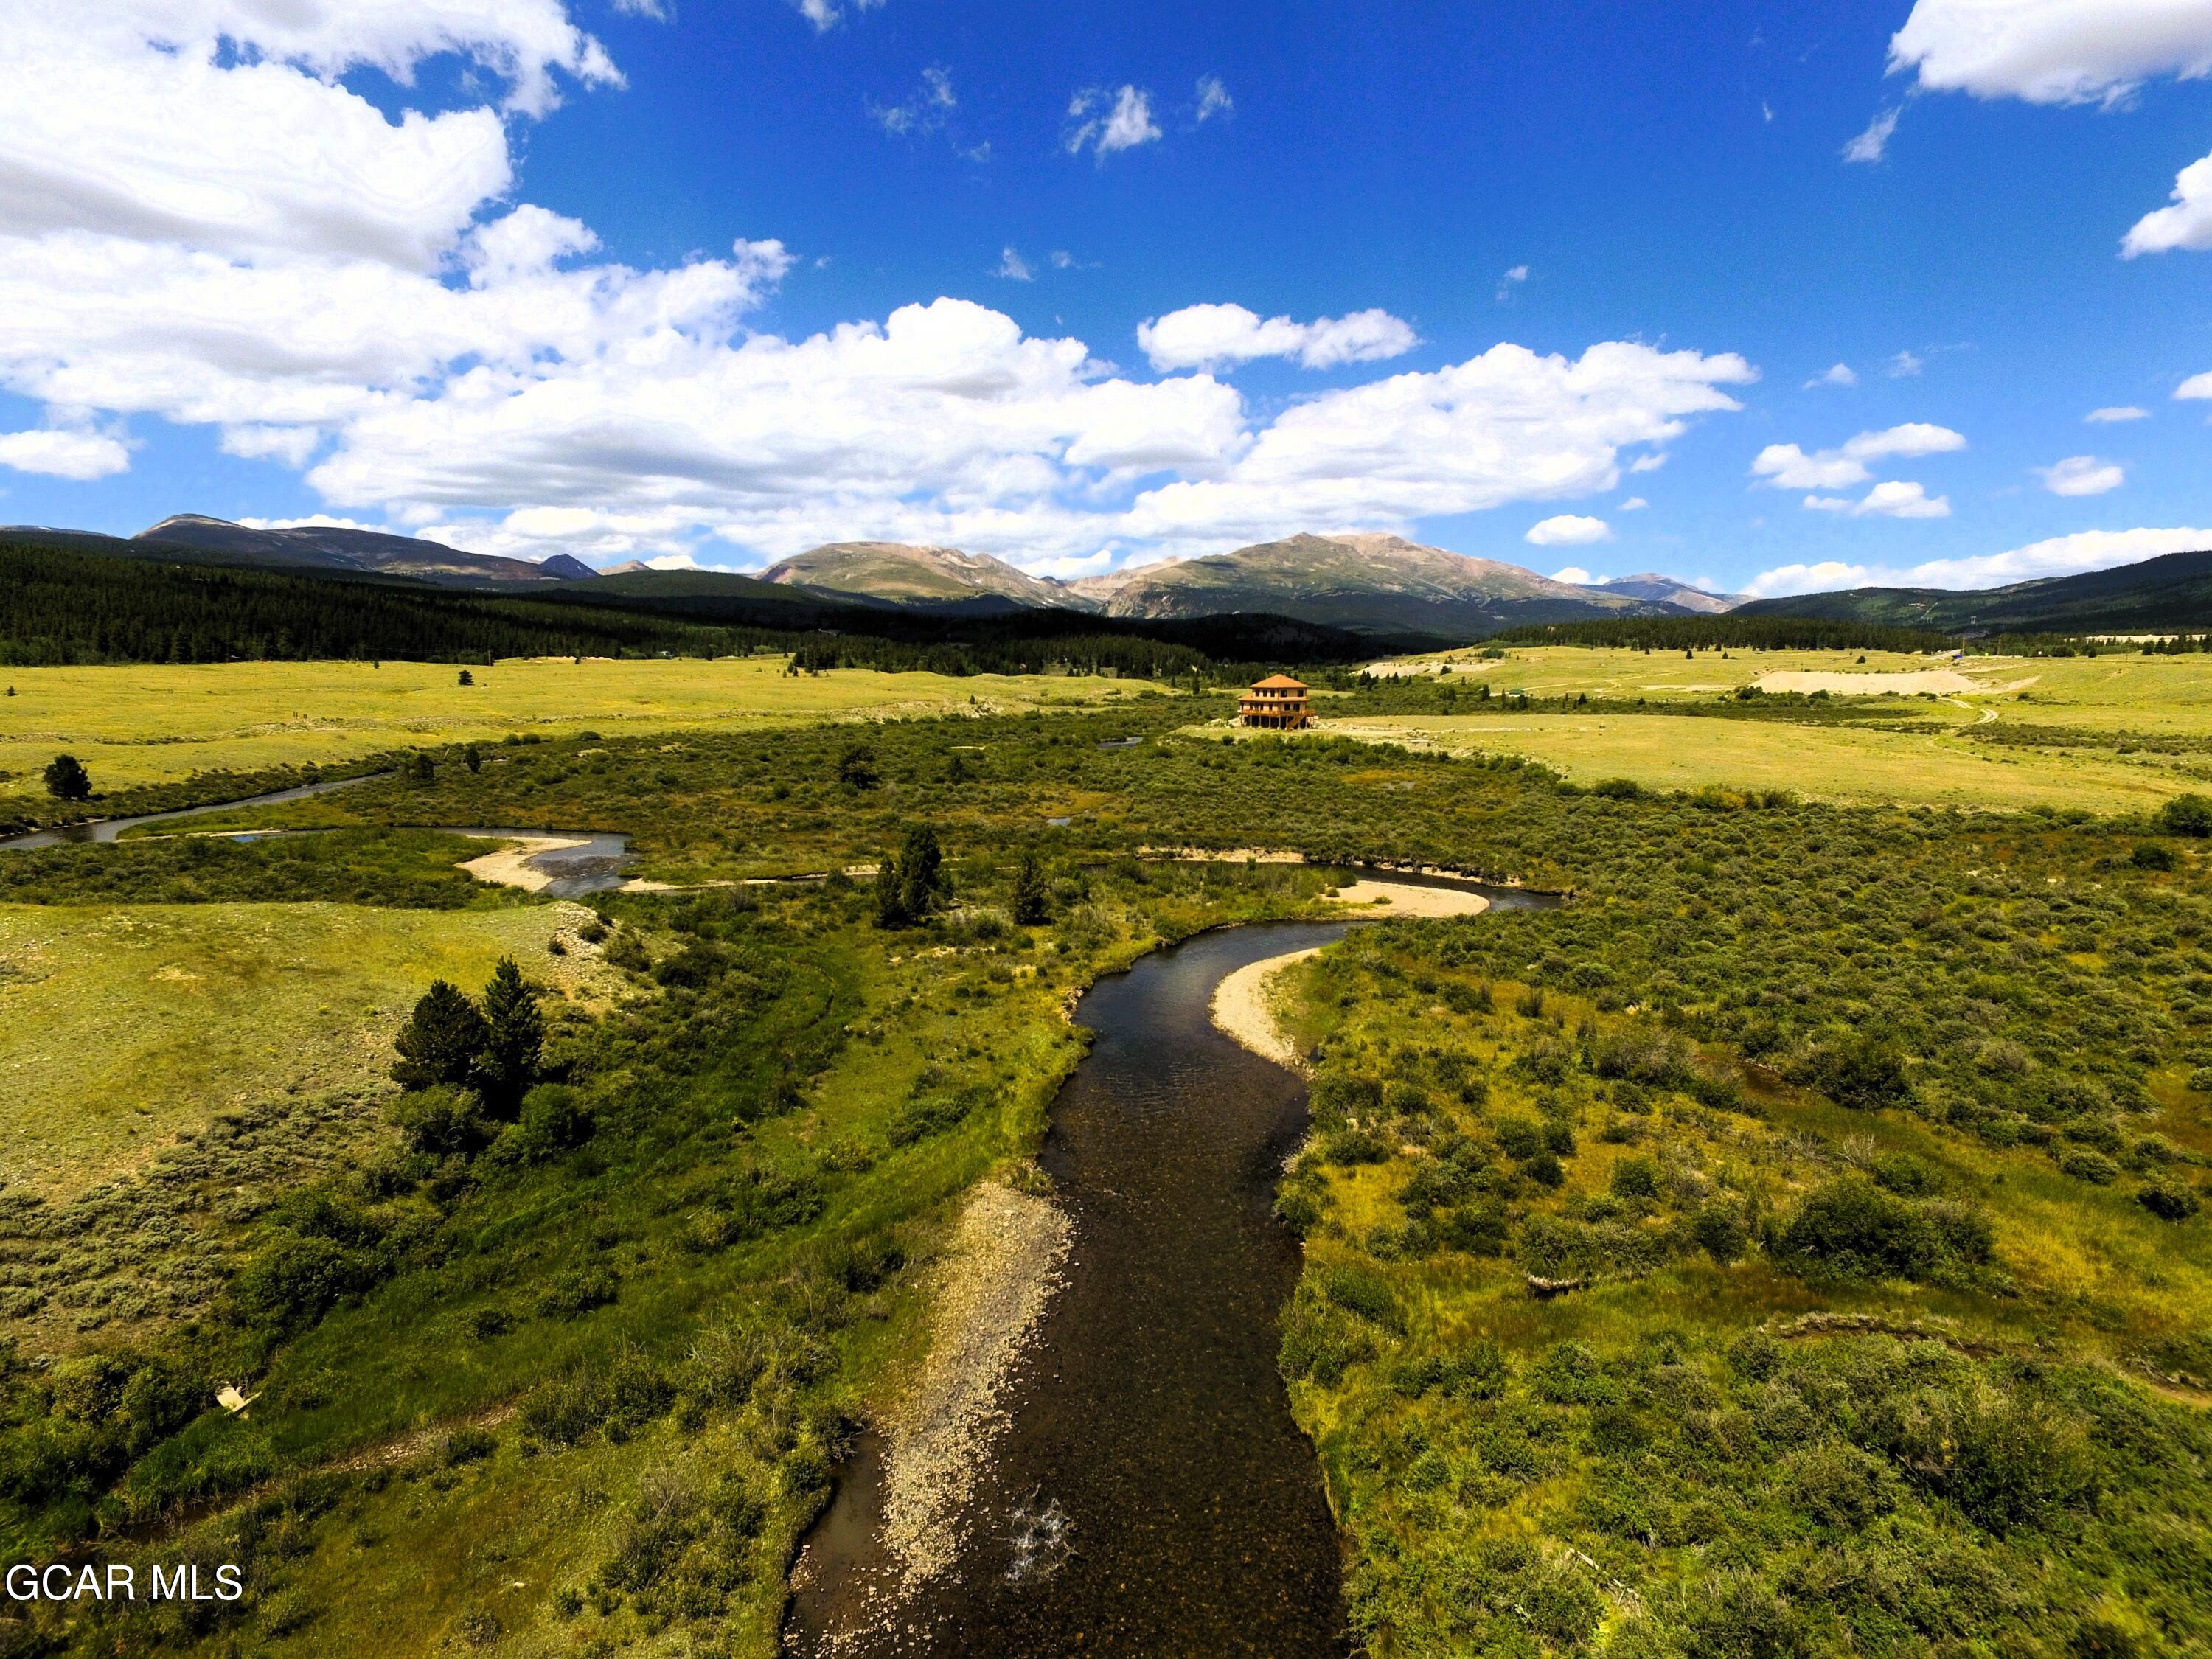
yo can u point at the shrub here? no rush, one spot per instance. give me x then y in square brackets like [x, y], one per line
[1522, 1137]
[1636, 1177]
[1719, 1229]
[1850, 1227]
[553, 1118]
[294, 1280]
[2152, 855]
[1365, 1293]
[1864, 1072]
[440, 1121]
[2169, 1200]
[2187, 815]
[578, 1291]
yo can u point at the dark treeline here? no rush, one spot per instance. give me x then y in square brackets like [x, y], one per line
[59, 606]
[1732, 632]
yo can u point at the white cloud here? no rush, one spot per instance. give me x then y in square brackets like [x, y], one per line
[1214, 98]
[1633, 504]
[1648, 463]
[1205, 335]
[826, 14]
[1506, 425]
[1823, 578]
[1512, 279]
[2061, 555]
[1575, 574]
[1105, 123]
[1894, 500]
[107, 134]
[2196, 388]
[444, 357]
[2114, 415]
[79, 455]
[2186, 224]
[1787, 466]
[2053, 51]
[1568, 529]
[922, 111]
[1873, 144]
[2082, 474]
[1905, 364]
[1013, 267]
[1839, 374]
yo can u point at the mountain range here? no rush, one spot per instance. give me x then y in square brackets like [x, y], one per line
[1371, 583]
[2160, 595]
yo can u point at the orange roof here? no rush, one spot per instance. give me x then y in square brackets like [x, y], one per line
[1279, 683]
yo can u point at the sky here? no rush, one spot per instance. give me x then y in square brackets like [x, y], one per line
[1770, 297]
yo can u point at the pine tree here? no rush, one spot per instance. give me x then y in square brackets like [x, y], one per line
[891, 894]
[441, 1040]
[514, 1040]
[66, 778]
[1032, 899]
[922, 872]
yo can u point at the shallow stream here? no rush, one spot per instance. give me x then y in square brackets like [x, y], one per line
[1150, 1494]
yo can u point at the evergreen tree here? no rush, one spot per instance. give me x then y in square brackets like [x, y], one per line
[472, 758]
[441, 1040]
[891, 894]
[514, 1040]
[1032, 899]
[67, 780]
[421, 769]
[922, 881]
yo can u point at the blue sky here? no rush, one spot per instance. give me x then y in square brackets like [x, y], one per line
[714, 280]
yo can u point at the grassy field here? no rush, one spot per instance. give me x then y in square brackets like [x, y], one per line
[1937, 768]
[122, 1024]
[2115, 733]
[133, 726]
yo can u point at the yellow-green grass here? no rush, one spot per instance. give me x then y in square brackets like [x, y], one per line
[2116, 690]
[122, 1025]
[1937, 768]
[140, 725]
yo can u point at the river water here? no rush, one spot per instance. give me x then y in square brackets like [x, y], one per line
[1151, 1494]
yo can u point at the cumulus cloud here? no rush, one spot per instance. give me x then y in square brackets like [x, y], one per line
[2114, 415]
[1905, 364]
[1575, 575]
[2053, 51]
[1512, 279]
[1873, 144]
[1897, 499]
[79, 455]
[108, 134]
[1787, 466]
[381, 310]
[1568, 529]
[1633, 504]
[1213, 98]
[1105, 122]
[1839, 374]
[2060, 556]
[1506, 425]
[1013, 267]
[2186, 224]
[2082, 474]
[1209, 336]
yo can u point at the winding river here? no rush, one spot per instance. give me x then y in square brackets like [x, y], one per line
[1150, 1493]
